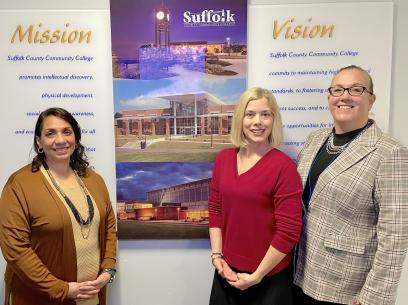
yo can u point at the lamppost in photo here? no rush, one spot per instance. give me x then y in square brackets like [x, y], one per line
[228, 41]
[212, 129]
[211, 139]
[178, 213]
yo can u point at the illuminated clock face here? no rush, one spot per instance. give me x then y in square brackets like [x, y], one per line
[160, 15]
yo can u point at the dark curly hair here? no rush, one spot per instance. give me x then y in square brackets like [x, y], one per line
[78, 159]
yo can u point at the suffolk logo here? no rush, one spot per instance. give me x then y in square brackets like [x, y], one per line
[209, 18]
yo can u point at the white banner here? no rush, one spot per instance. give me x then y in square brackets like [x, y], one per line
[56, 58]
[294, 50]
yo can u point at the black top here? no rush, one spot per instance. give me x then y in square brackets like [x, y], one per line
[324, 159]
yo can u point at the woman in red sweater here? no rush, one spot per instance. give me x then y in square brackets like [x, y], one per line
[255, 209]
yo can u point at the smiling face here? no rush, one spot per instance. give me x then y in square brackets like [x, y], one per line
[57, 139]
[257, 122]
[350, 112]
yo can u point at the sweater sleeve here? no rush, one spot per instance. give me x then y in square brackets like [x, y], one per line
[288, 209]
[15, 244]
[109, 255]
[214, 198]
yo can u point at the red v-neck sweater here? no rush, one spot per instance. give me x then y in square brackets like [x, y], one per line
[256, 209]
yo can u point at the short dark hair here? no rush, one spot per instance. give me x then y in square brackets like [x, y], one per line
[351, 67]
[78, 159]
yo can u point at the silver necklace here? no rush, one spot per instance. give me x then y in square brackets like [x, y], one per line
[338, 149]
[334, 149]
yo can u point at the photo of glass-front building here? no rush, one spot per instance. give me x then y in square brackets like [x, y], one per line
[198, 113]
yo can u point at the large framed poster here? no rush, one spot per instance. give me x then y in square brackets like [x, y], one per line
[179, 67]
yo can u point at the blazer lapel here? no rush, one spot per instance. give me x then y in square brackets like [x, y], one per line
[358, 149]
[309, 154]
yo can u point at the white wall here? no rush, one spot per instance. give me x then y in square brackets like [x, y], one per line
[179, 272]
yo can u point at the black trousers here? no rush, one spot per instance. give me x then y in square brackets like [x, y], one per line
[272, 290]
[300, 298]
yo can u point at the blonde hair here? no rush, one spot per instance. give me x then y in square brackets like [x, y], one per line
[256, 93]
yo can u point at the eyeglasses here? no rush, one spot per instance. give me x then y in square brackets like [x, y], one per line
[353, 91]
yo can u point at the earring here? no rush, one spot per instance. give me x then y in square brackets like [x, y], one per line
[40, 150]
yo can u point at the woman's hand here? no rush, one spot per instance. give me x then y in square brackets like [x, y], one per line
[86, 290]
[244, 281]
[93, 287]
[75, 293]
[224, 269]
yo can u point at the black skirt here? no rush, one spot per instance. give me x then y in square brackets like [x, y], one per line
[272, 290]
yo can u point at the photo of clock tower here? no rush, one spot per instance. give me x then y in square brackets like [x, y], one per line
[162, 27]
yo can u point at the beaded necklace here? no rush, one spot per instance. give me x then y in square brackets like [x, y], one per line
[84, 224]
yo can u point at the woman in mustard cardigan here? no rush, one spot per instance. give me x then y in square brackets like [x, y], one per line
[57, 226]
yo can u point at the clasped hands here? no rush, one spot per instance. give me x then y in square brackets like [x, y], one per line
[88, 289]
[240, 281]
